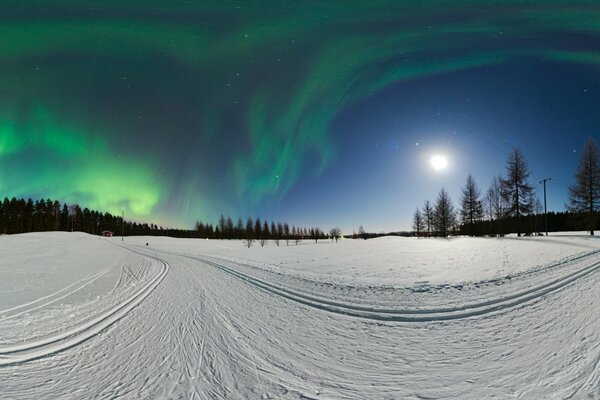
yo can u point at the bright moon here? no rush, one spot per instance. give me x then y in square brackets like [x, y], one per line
[439, 162]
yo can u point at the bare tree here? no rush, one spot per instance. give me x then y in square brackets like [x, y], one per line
[257, 229]
[286, 233]
[266, 234]
[584, 195]
[297, 233]
[515, 188]
[249, 232]
[362, 233]
[277, 233]
[229, 228]
[222, 227]
[418, 223]
[471, 207]
[239, 228]
[315, 233]
[494, 202]
[428, 217]
[444, 217]
[335, 233]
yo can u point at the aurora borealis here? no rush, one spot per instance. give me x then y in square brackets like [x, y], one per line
[305, 111]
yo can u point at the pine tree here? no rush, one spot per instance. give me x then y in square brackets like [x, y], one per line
[516, 191]
[471, 207]
[584, 195]
[418, 223]
[444, 217]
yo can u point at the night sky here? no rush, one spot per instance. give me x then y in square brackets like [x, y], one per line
[316, 113]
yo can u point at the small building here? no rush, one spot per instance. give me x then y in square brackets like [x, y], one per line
[107, 233]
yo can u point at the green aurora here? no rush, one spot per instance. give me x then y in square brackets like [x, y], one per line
[177, 111]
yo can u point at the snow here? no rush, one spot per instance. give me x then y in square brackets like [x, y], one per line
[387, 318]
[394, 261]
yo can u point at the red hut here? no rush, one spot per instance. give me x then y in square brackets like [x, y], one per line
[107, 233]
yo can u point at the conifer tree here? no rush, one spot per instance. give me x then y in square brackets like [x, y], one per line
[584, 195]
[428, 217]
[249, 232]
[516, 190]
[444, 217]
[471, 207]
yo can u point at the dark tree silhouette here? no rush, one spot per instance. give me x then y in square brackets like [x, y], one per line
[335, 233]
[584, 195]
[428, 217]
[418, 223]
[494, 203]
[239, 229]
[249, 232]
[444, 217]
[286, 233]
[362, 233]
[257, 229]
[274, 234]
[471, 207]
[516, 191]
[266, 234]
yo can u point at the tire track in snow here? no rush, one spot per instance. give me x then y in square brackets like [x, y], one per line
[17, 354]
[406, 315]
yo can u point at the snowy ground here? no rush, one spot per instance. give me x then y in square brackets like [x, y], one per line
[388, 318]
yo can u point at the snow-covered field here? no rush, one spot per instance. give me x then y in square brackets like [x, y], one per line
[389, 318]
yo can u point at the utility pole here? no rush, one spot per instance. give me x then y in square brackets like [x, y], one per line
[123, 226]
[545, 208]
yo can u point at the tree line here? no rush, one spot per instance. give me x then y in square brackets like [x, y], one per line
[21, 216]
[255, 230]
[510, 204]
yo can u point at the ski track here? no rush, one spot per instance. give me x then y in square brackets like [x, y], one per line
[87, 280]
[209, 331]
[408, 315]
[40, 348]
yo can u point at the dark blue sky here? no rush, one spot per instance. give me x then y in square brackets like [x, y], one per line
[474, 117]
